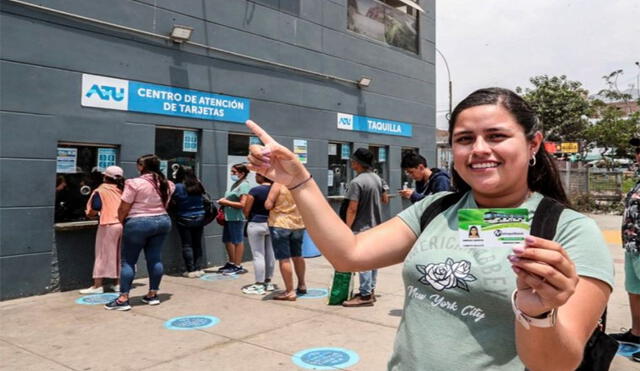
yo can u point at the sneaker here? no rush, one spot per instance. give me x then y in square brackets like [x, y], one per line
[235, 269]
[636, 356]
[227, 266]
[626, 337]
[255, 289]
[151, 300]
[193, 274]
[92, 290]
[116, 305]
[115, 288]
[269, 286]
[359, 301]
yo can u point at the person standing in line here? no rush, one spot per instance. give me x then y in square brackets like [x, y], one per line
[259, 237]
[233, 230]
[287, 233]
[105, 200]
[143, 212]
[365, 194]
[189, 219]
[428, 180]
[631, 243]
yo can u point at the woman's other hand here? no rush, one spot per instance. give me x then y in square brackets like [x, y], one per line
[546, 276]
[273, 160]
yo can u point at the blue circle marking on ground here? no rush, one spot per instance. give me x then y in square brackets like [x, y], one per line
[325, 358]
[314, 294]
[626, 350]
[191, 322]
[218, 277]
[96, 299]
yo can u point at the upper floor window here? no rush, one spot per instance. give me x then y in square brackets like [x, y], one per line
[390, 21]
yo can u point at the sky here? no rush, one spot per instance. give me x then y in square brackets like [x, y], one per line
[505, 42]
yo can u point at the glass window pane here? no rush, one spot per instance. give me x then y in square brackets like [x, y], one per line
[170, 146]
[77, 175]
[339, 168]
[388, 21]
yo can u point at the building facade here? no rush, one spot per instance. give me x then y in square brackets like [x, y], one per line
[88, 84]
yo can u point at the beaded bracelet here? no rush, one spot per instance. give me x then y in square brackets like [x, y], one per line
[301, 183]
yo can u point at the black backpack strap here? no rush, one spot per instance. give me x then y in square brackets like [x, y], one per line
[437, 207]
[545, 219]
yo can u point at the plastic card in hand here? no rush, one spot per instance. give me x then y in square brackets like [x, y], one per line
[492, 228]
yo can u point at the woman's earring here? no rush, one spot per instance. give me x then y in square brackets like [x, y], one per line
[533, 160]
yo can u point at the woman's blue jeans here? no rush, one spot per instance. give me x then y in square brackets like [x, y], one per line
[146, 233]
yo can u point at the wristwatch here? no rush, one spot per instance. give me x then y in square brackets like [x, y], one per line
[545, 320]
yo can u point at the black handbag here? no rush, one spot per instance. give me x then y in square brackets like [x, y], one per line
[210, 210]
[599, 350]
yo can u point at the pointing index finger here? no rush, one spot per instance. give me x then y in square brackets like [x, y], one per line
[259, 132]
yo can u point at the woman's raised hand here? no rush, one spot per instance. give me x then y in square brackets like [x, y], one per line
[547, 277]
[273, 160]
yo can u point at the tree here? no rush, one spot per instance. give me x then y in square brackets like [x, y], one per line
[615, 123]
[561, 104]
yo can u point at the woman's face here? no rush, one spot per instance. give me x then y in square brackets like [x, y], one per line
[491, 152]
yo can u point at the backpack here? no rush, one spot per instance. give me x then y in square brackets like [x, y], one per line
[600, 348]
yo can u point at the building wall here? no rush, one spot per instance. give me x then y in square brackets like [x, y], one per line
[43, 57]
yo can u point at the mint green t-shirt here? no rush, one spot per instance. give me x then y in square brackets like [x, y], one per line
[457, 312]
[232, 214]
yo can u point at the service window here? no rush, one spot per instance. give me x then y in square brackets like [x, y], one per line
[380, 164]
[177, 146]
[79, 168]
[392, 22]
[444, 157]
[339, 173]
[406, 180]
[238, 150]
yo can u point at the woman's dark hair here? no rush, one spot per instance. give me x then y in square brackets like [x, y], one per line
[151, 165]
[244, 170]
[264, 179]
[118, 181]
[191, 182]
[543, 177]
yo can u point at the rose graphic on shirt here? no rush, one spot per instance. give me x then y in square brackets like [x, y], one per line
[447, 275]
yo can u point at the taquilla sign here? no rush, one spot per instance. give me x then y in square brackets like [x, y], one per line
[365, 124]
[135, 96]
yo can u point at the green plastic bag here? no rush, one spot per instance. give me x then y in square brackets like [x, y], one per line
[341, 288]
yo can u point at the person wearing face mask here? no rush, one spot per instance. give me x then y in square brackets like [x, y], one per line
[232, 234]
[530, 307]
[143, 212]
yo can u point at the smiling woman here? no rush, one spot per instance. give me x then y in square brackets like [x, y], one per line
[466, 298]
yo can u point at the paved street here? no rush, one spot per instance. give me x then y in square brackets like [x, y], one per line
[52, 332]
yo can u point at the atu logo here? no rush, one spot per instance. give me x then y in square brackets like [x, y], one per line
[106, 92]
[345, 121]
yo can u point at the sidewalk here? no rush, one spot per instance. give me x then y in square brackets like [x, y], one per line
[52, 332]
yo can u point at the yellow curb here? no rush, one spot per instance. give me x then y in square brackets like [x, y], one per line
[612, 236]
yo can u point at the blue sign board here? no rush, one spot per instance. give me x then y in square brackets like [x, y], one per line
[135, 96]
[189, 141]
[191, 322]
[345, 152]
[373, 125]
[382, 154]
[106, 158]
[325, 358]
